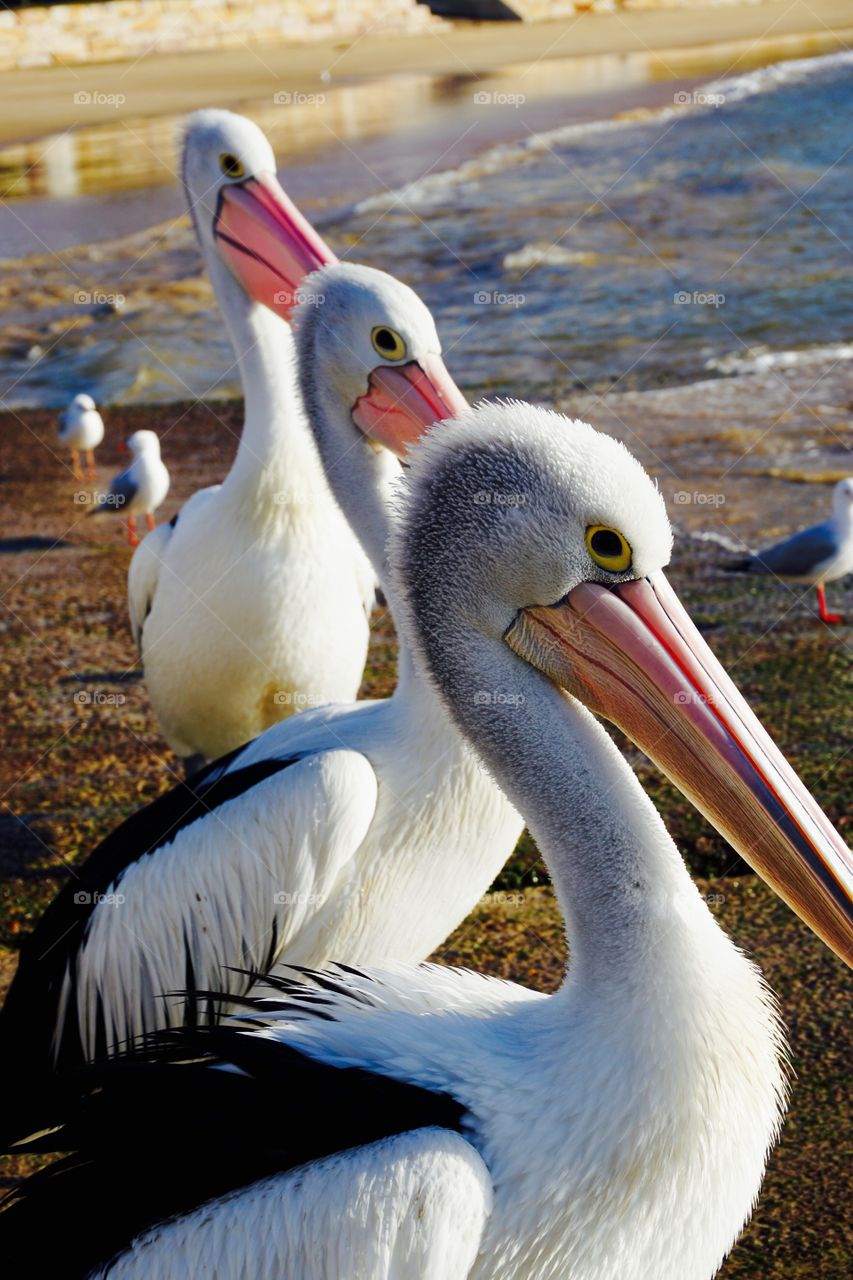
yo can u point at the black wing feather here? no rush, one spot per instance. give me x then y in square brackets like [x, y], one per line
[29, 1016]
[156, 1134]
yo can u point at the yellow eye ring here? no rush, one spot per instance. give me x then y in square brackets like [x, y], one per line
[231, 166]
[387, 343]
[608, 548]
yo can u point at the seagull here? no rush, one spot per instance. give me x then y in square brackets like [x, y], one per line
[420, 1122]
[817, 555]
[255, 602]
[361, 832]
[81, 428]
[141, 488]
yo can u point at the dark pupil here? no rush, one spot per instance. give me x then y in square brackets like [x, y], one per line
[386, 340]
[606, 543]
[232, 165]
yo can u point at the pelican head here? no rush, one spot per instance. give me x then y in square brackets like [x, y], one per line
[367, 340]
[373, 342]
[238, 207]
[527, 532]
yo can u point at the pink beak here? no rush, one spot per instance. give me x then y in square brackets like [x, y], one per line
[402, 401]
[271, 248]
[631, 654]
[267, 242]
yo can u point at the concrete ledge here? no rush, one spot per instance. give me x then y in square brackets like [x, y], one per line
[72, 34]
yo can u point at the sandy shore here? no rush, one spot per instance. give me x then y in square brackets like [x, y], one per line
[41, 101]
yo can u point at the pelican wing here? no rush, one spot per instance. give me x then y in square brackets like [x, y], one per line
[185, 1151]
[143, 575]
[799, 556]
[212, 880]
[150, 556]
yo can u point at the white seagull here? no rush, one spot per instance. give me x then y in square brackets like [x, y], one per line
[255, 602]
[362, 832]
[820, 554]
[81, 429]
[141, 488]
[431, 1124]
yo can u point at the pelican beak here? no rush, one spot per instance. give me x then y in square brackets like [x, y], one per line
[267, 242]
[402, 401]
[631, 654]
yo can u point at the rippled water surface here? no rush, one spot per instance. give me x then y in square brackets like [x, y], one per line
[644, 249]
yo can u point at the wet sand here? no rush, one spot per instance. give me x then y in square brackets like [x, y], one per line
[39, 101]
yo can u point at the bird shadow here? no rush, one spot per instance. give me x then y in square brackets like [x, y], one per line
[102, 677]
[14, 546]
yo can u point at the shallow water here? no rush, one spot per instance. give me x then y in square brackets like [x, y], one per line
[560, 246]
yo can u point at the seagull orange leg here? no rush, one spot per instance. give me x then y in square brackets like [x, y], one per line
[131, 531]
[76, 469]
[150, 522]
[90, 464]
[825, 615]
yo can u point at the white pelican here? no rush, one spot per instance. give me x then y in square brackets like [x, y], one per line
[362, 832]
[820, 554]
[141, 488]
[256, 602]
[81, 429]
[430, 1124]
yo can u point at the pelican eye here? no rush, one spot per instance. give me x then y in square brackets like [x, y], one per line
[387, 343]
[608, 548]
[231, 166]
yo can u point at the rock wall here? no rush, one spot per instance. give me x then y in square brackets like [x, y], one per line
[80, 33]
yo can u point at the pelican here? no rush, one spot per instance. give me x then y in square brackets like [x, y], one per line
[256, 602]
[361, 832]
[817, 555]
[419, 1123]
[81, 429]
[141, 488]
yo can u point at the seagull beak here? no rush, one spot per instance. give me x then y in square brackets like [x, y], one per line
[402, 401]
[631, 654]
[267, 242]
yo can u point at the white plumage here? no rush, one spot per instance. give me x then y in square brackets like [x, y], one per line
[621, 1126]
[256, 603]
[364, 832]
